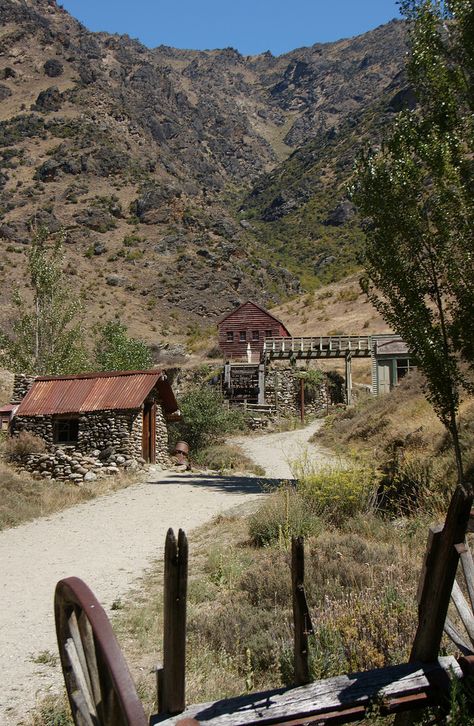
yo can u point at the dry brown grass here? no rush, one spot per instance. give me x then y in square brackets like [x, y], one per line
[23, 498]
[361, 582]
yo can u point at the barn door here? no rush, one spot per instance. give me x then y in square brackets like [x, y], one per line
[149, 432]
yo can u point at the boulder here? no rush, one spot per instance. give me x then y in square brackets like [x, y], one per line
[48, 100]
[5, 92]
[53, 68]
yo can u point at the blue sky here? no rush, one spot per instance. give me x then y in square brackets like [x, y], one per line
[251, 26]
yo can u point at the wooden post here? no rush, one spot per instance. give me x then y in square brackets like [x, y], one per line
[302, 400]
[171, 680]
[437, 580]
[301, 616]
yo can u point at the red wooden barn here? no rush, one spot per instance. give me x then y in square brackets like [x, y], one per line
[249, 324]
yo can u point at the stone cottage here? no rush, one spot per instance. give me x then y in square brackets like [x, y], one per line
[97, 422]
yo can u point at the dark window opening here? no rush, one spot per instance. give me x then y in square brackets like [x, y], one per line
[243, 336]
[403, 367]
[269, 334]
[230, 336]
[66, 431]
[255, 335]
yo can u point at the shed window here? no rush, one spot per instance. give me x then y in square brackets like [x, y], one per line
[66, 430]
[255, 335]
[403, 367]
[243, 336]
[268, 334]
[230, 336]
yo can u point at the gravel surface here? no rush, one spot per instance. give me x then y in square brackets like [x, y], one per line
[109, 543]
[276, 452]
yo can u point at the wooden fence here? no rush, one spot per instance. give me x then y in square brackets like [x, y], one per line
[424, 681]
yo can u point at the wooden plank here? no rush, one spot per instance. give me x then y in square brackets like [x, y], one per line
[321, 697]
[465, 613]
[171, 697]
[467, 564]
[452, 633]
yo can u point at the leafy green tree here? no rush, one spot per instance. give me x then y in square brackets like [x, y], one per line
[417, 192]
[46, 336]
[116, 351]
[205, 419]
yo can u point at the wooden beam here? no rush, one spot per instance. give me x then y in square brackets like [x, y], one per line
[393, 688]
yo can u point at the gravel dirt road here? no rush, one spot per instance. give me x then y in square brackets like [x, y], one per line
[109, 543]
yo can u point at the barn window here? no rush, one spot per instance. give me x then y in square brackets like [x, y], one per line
[230, 336]
[65, 430]
[255, 335]
[268, 334]
[243, 336]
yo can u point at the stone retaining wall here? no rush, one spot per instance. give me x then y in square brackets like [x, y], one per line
[282, 390]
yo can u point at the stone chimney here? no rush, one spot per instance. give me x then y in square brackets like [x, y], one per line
[21, 385]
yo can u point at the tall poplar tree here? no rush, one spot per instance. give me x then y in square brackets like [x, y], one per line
[46, 336]
[417, 192]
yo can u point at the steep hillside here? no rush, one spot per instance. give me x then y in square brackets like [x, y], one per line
[143, 158]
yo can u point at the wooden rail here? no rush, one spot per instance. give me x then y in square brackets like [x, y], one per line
[332, 346]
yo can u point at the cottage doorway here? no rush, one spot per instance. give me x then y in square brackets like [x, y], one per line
[385, 376]
[149, 432]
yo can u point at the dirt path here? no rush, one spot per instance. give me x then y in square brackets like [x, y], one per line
[109, 543]
[276, 452]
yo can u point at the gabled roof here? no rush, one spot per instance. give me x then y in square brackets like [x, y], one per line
[114, 390]
[224, 317]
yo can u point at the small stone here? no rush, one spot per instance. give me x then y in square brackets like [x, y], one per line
[90, 476]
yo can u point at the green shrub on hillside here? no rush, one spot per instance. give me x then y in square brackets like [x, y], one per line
[338, 493]
[282, 516]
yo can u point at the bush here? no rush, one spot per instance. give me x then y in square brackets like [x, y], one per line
[283, 516]
[20, 447]
[226, 457]
[205, 419]
[339, 493]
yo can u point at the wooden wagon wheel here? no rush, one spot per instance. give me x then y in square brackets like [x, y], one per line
[465, 610]
[99, 685]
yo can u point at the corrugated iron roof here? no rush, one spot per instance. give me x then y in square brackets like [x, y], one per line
[95, 392]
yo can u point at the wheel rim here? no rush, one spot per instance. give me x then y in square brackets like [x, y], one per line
[100, 688]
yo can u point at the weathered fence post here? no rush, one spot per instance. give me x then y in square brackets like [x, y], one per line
[301, 616]
[437, 580]
[171, 678]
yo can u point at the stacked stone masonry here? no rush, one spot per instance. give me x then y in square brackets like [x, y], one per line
[107, 442]
[282, 390]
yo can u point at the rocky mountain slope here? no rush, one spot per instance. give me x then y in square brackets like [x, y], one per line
[184, 181]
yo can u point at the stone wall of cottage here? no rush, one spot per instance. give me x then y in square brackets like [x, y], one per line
[107, 442]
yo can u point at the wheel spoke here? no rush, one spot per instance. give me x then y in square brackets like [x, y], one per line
[77, 638]
[88, 644]
[80, 678]
[82, 716]
[454, 635]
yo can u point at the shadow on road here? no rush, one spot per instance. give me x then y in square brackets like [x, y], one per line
[227, 483]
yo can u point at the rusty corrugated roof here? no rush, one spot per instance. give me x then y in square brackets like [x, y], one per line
[95, 392]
